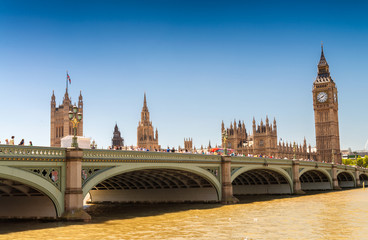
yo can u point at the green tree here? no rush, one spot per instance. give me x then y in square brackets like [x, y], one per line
[359, 162]
[365, 161]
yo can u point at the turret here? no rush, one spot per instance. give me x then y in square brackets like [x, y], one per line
[80, 100]
[53, 102]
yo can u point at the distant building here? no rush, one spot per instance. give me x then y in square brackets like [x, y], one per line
[117, 140]
[263, 141]
[146, 138]
[188, 144]
[60, 125]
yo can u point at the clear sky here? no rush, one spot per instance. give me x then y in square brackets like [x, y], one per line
[200, 62]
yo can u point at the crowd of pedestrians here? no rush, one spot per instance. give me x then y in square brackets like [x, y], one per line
[12, 142]
[195, 151]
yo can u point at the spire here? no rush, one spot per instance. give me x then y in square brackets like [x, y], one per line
[222, 126]
[80, 96]
[322, 60]
[66, 97]
[145, 101]
[145, 114]
[53, 96]
[323, 70]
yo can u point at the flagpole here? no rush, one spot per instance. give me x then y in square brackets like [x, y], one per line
[66, 81]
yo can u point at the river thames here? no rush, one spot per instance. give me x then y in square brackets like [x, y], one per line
[326, 215]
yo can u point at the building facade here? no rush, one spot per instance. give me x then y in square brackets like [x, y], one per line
[263, 141]
[117, 141]
[188, 144]
[60, 125]
[146, 137]
[325, 105]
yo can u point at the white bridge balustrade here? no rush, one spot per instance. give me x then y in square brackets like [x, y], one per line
[52, 182]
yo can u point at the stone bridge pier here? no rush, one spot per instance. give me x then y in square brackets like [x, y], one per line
[73, 196]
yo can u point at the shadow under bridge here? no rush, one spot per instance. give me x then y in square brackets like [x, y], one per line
[155, 185]
[315, 180]
[261, 181]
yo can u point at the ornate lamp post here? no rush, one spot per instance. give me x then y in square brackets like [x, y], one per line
[93, 145]
[224, 137]
[75, 117]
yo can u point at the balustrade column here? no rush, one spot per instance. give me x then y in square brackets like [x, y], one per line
[297, 188]
[227, 188]
[335, 182]
[73, 197]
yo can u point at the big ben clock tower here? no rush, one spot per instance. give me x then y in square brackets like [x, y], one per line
[325, 106]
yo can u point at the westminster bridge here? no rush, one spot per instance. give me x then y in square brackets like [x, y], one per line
[44, 182]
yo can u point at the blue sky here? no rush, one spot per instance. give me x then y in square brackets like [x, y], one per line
[200, 62]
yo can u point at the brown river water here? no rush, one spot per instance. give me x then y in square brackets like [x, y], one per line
[327, 215]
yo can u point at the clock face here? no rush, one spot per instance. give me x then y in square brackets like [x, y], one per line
[322, 97]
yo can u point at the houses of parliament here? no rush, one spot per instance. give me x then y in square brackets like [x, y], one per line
[262, 141]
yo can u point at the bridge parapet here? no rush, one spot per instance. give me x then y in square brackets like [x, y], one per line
[257, 160]
[346, 167]
[134, 156]
[314, 164]
[25, 153]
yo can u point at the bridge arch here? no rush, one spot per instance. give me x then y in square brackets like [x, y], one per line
[261, 180]
[315, 179]
[363, 177]
[346, 179]
[43, 186]
[165, 175]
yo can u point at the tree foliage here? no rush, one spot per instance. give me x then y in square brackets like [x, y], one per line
[359, 161]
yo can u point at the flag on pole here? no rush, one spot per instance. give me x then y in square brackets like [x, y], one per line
[68, 78]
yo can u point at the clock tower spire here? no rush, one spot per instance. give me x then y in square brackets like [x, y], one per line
[325, 106]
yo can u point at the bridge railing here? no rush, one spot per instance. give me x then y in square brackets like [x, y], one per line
[238, 159]
[117, 155]
[15, 152]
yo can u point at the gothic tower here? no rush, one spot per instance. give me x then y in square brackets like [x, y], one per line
[117, 140]
[188, 144]
[60, 126]
[265, 138]
[325, 106]
[146, 138]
